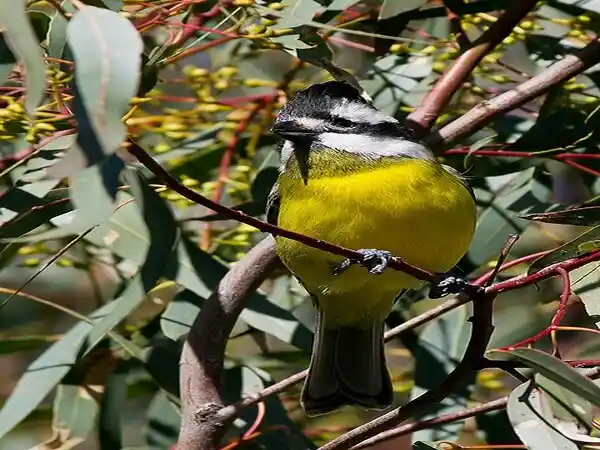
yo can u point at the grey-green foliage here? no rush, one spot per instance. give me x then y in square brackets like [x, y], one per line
[77, 84]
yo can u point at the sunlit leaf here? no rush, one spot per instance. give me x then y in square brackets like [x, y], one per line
[93, 190]
[553, 369]
[585, 282]
[105, 82]
[527, 409]
[585, 242]
[75, 411]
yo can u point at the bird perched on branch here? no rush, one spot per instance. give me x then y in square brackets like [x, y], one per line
[351, 175]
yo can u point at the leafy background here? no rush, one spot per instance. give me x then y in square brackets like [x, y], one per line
[103, 267]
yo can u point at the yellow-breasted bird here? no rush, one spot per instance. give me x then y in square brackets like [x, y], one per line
[351, 175]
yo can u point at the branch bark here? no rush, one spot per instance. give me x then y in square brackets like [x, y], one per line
[422, 119]
[479, 116]
[201, 363]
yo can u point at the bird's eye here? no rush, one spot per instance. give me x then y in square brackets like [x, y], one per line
[341, 122]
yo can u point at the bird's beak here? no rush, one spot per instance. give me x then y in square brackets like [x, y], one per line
[289, 129]
[300, 137]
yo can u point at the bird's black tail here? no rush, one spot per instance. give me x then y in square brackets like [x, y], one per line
[347, 367]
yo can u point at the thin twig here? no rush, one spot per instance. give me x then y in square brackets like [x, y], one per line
[403, 430]
[477, 117]
[422, 118]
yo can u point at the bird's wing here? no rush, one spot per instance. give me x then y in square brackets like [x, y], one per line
[453, 171]
[273, 205]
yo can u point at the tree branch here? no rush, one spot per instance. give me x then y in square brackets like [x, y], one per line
[479, 116]
[422, 118]
[201, 361]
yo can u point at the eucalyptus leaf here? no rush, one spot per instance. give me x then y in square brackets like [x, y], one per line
[391, 8]
[42, 376]
[585, 242]
[585, 282]
[21, 39]
[75, 413]
[528, 412]
[587, 216]
[105, 82]
[553, 369]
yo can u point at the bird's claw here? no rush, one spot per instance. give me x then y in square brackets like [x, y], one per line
[375, 261]
[449, 284]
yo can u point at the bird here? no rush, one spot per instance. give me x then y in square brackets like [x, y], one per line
[353, 176]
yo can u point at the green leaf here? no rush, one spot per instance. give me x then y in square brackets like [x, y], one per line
[260, 312]
[163, 420]
[585, 282]
[391, 8]
[163, 236]
[93, 190]
[74, 417]
[22, 40]
[528, 412]
[105, 81]
[46, 372]
[297, 13]
[553, 369]
[501, 218]
[111, 408]
[438, 349]
[179, 316]
[57, 33]
[162, 363]
[588, 216]
[565, 405]
[340, 5]
[585, 242]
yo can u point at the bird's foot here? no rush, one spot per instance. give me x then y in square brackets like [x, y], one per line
[449, 284]
[375, 261]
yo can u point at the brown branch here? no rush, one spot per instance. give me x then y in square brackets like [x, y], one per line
[201, 361]
[422, 119]
[482, 114]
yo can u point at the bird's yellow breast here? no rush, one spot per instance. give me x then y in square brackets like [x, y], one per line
[412, 208]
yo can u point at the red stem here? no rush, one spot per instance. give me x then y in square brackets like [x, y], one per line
[558, 315]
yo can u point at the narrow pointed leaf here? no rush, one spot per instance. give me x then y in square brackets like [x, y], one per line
[21, 39]
[553, 369]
